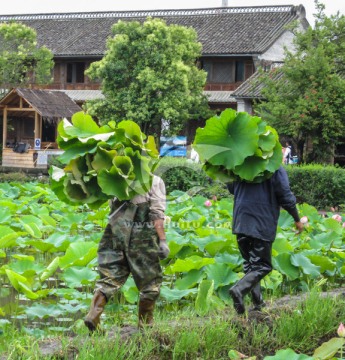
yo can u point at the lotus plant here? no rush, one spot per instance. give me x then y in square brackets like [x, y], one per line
[238, 146]
[115, 160]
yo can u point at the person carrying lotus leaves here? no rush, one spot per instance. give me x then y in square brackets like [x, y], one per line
[133, 243]
[244, 151]
[255, 220]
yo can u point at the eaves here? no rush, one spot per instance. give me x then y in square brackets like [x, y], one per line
[231, 55]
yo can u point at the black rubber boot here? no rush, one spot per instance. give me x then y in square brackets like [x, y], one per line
[242, 288]
[258, 302]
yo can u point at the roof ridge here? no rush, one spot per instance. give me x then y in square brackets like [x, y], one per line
[141, 13]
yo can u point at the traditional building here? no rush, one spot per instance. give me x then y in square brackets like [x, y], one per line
[235, 40]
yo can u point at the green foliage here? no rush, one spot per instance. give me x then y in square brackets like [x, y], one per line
[21, 60]
[115, 160]
[181, 174]
[318, 185]
[237, 146]
[149, 73]
[305, 96]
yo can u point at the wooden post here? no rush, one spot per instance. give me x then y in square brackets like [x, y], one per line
[4, 128]
[37, 125]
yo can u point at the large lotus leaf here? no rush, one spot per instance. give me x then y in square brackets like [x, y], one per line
[267, 140]
[151, 147]
[175, 294]
[57, 178]
[83, 126]
[33, 230]
[78, 167]
[219, 173]
[132, 132]
[75, 190]
[117, 139]
[44, 311]
[216, 247]
[103, 159]
[50, 270]
[8, 237]
[21, 284]
[282, 244]
[124, 165]
[288, 354]
[329, 348]
[275, 161]
[309, 211]
[78, 254]
[185, 265]
[130, 291]
[142, 169]
[324, 262]
[282, 262]
[273, 280]
[190, 279]
[221, 274]
[62, 135]
[75, 148]
[250, 168]
[204, 296]
[79, 276]
[114, 184]
[305, 265]
[228, 139]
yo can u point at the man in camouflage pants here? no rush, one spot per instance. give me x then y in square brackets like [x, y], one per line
[133, 243]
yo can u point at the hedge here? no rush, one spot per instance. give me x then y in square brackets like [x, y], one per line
[318, 185]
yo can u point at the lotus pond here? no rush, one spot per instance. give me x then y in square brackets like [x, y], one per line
[48, 256]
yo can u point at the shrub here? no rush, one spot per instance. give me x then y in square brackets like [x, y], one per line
[181, 174]
[318, 185]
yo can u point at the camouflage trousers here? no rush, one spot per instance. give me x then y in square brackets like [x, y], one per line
[133, 250]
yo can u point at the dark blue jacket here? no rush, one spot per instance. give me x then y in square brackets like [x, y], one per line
[257, 206]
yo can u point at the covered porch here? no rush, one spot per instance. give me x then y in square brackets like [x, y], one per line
[30, 119]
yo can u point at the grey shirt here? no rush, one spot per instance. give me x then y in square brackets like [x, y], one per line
[156, 197]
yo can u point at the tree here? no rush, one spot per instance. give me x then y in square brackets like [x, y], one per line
[305, 96]
[21, 61]
[148, 74]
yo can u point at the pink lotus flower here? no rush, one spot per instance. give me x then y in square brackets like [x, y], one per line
[341, 330]
[343, 224]
[208, 203]
[337, 217]
[304, 220]
[214, 198]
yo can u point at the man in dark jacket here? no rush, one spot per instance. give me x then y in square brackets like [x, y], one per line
[255, 220]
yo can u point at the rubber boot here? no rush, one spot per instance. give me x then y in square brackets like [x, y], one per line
[243, 287]
[258, 302]
[92, 319]
[146, 308]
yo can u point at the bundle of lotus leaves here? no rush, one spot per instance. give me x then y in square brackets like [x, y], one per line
[236, 146]
[114, 160]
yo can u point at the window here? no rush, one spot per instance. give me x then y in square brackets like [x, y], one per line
[239, 71]
[219, 71]
[75, 72]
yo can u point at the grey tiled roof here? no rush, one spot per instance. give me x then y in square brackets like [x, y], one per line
[83, 95]
[216, 97]
[220, 97]
[251, 88]
[231, 30]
